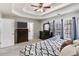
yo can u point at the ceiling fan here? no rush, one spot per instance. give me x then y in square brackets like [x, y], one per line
[41, 7]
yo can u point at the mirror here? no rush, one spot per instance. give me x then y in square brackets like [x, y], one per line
[46, 27]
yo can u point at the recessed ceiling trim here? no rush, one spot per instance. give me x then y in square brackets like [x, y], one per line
[66, 12]
[57, 8]
[41, 13]
[71, 9]
[34, 12]
[27, 16]
[47, 12]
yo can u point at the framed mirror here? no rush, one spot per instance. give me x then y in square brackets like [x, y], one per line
[46, 26]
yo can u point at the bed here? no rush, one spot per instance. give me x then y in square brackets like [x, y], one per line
[49, 47]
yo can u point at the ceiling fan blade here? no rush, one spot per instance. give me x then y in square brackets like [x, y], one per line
[47, 7]
[34, 6]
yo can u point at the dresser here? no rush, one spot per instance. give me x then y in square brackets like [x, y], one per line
[44, 35]
[22, 32]
[22, 35]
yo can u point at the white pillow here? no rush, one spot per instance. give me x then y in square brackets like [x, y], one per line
[76, 42]
[77, 50]
[69, 50]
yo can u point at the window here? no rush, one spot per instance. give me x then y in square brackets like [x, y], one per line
[58, 29]
[67, 28]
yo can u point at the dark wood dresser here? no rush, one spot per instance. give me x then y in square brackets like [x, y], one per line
[22, 32]
[44, 35]
[22, 35]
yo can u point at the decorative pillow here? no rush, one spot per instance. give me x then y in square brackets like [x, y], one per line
[65, 43]
[69, 50]
[76, 42]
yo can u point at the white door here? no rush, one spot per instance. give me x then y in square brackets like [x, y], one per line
[7, 33]
[30, 28]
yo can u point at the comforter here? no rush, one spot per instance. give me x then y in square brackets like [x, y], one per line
[49, 47]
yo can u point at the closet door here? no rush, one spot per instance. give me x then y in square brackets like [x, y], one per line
[7, 32]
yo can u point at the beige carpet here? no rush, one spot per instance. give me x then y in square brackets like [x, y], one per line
[14, 50]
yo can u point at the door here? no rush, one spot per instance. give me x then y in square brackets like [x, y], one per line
[7, 32]
[30, 30]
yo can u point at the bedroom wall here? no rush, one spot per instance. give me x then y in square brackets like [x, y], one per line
[0, 15]
[37, 23]
[37, 26]
[65, 17]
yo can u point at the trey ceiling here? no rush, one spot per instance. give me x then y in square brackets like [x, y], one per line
[26, 10]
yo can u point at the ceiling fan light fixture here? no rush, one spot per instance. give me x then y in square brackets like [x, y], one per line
[42, 7]
[40, 10]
